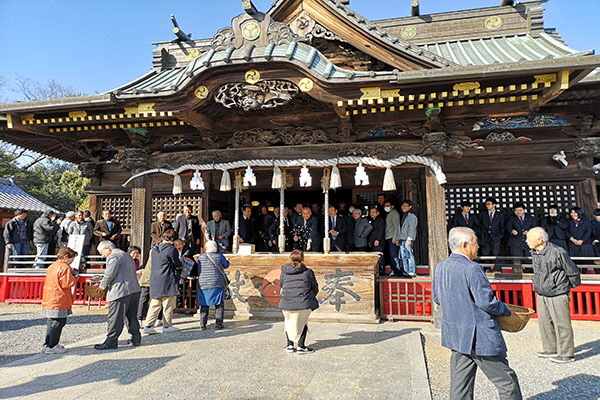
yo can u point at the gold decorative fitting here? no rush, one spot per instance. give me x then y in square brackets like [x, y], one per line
[146, 107]
[193, 53]
[386, 94]
[306, 84]
[252, 76]
[408, 32]
[370, 93]
[9, 123]
[77, 114]
[131, 111]
[466, 86]
[251, 30]
[27, 119]
[493, 23]
[201, 92]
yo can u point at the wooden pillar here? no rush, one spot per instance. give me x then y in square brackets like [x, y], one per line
[436, 229]
[141, 214]
[588, 196]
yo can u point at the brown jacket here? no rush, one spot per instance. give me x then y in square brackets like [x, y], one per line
[57, 287]
[156, 230]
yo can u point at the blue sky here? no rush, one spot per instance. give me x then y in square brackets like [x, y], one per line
[95, 46]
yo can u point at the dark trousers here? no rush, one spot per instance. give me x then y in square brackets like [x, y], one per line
[490, 249]
[119, 311]
[219, 314]
[394, 257]
[463, 368]
[301, 340]
[53, 330]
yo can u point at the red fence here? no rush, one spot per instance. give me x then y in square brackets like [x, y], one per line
[410, 299]
[28, 288]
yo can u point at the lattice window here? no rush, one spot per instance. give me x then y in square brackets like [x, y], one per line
[172, 206]
[537, 198]
[120, 208]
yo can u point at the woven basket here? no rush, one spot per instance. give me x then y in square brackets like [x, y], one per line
[95, 291]
[519, 316]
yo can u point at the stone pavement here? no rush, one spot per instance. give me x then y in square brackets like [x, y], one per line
[244, 361]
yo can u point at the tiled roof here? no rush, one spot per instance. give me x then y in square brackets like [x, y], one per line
[502, 50]
[13, 197]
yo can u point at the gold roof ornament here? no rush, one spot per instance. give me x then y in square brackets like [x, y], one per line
[252, 76]
[466, 86]
[493, 23]
[306, 84]
[201, 92]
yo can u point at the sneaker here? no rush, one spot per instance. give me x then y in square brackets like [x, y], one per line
[158, 323]
[290, 348]
[219, 327]
[55, 350]
[202, 327]
[60, 346]
[562, 360]
[412, 274]
[150, 330]
[170, 329]
[546, 354]
[44, 347]
[305, 350]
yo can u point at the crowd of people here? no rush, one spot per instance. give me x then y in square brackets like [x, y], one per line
[496, 230]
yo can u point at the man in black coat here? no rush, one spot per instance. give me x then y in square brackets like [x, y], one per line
[43, 230]
[273, 230]
[18, 233]
[490, 224]
[464, 218]
[306, 233]
[377, 236]
[517, 226]
[247, 231]
[337, 230]
[188, 228]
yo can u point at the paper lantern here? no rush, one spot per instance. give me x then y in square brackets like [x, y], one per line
[336, 179]
[249, 177]
[305, 178]
[197, 183]
[360, 176]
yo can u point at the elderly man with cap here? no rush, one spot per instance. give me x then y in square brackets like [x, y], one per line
[63, 231]
[123, 294]
[18, 233]
[554, 274]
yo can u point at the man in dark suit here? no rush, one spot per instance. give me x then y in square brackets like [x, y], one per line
[247, 229]
[189, 229]
[469, 326]
[464, 218]
[123, 295]
[490, 224]
[517, 226]
[307, 236]
[377, 236]
[296, 216]
[108, 228]
[273, 230]
[337, 230]
[159, 227]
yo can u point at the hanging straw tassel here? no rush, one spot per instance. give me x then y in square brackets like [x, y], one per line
[389, 183]
[277, 182]
[336, 178]
[177, 185]
[225, 182]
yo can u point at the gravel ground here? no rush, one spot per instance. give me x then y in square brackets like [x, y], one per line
[540, 379]
[23, 321]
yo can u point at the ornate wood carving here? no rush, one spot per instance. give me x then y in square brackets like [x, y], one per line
[439, 143]
[285, 136]
[587, 147]
[583, 125]
[262, 95]
[89, 170]
[134, 159]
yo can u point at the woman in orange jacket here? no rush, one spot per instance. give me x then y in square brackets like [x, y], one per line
[57, 298]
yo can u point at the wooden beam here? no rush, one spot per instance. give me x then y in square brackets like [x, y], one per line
[555, 90]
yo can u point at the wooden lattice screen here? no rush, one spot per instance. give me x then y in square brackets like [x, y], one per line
[120, 208]
[172, 206]
[536, 198]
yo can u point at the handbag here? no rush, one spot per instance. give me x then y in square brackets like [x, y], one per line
[227, 290]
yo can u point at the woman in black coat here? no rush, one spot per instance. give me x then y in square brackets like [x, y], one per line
[580, 235]
[299, 290]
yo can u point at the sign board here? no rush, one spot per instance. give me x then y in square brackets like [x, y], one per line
[76, 243]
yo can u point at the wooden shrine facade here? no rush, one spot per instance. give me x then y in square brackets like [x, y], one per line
[485, 100]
